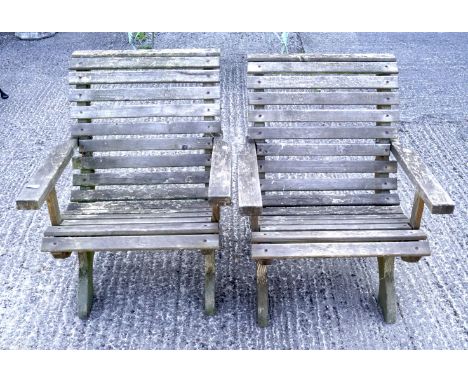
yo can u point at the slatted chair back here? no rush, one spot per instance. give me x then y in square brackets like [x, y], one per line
[322, 125]
[145, 121]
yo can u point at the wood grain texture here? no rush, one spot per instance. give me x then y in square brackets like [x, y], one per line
[317, 132]
[328, 115]
[322, 67]
[387, 295]
[431, 191]
[173, 193]
[85, 283]
[41, 183]
[331, 200]
[335, 250]
[148, 53]
[326, 166]
[219, 190]
[210, 281]
[250, 197]
[322, 57]
[327, 184]
[323, 98]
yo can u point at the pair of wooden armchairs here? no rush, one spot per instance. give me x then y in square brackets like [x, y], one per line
[152, 170]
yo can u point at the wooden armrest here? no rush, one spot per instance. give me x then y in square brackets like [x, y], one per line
[250, 195]
[219, 190]
[431, 191]
[43, 181]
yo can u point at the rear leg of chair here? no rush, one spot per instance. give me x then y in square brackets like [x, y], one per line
[262, 294]
[387, 296]
[210, 276]
[85, 283]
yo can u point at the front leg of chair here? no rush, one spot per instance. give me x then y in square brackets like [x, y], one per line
[85, 283]
[210, 278]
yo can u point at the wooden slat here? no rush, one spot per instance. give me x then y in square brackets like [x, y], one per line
[137, 219]
[180, 160]
[135, 144]
[317, 132]
[42, 182]
[322, 82]
[148, 53]
[324, 115]
[346, 236]
[329, 211]
[327, 184]
[219, 191]
[321, 57]
[432, 192]
[132, 77]
[322, 67]
[324, 98]
[301, 250]
[137, 206]
[116, 243]
[147, 194]
[328, 166]
[144, 94]
[250, 197]
[333, 227]
[143, 62]
[86, 215]
[166, 177]
[145, 128]
[166, 110]
[271, 220]
[331, 200]
[132, 229]
[279, 149]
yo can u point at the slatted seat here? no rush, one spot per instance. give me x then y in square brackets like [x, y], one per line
[317, 177]
[150, 168]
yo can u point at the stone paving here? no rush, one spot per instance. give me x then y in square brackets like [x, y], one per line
[154, 300]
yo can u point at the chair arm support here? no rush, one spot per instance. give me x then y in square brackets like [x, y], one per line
[35, 192]
[219, 189]
[250, 195]
[430, 190]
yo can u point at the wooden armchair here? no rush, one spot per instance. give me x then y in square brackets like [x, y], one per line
[150, 174]
[315, 174]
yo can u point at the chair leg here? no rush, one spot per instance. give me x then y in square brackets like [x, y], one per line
[210, 276]
[85, 283]
[387, 296]
[262, 294]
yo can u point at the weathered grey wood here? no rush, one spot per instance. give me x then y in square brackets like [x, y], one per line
[41, 183]
[250, 197]
[163, 214]
[145, 94]
[333, 226]
[348, 217]
[323, 98]
[415, 222]
[329, 211]
[327, 184]
[145, 128]
[171, 177]
[337, 236]
[108, 162]
[262, 294]
[55, 218]
[331, 200]
[322, 82]
[147, 194]
[352, 149]
[328, 166]
[143, 62]
[332, 250]
[136, 206]
[148, 53]
[138, 219]
[329, 115]
[132, 77]
[136, 144]
[337, 219]
[219, 191]
[122, 229]
[317, 132]
[320, 57]
[210, 281]
[129, 243]
[165, 110]
[430, 190]
[387, 295]
[85, 283]
[322, 67]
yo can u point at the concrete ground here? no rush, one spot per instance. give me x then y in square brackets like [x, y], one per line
[154, 300]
